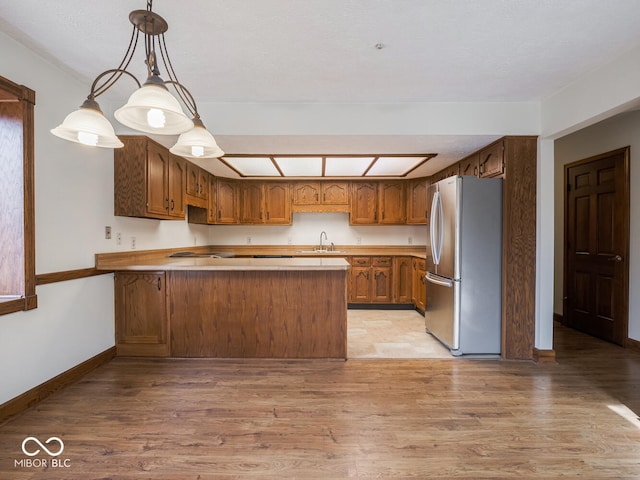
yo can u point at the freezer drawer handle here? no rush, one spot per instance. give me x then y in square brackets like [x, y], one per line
[439, 280]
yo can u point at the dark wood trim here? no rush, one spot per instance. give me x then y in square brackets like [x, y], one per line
[557, 317]
[31, 397]
[633, 344]
[544, 356]
[12, 306]
[54, 277]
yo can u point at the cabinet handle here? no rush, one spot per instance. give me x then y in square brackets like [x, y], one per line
[260, 215]
[268, 216]
[166, 201]
[219, 214]
[159, 283]
[173, 204]
[475, 172]
[316, 197]
[324, 197]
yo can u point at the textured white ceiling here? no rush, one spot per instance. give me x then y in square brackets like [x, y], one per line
[324, 50]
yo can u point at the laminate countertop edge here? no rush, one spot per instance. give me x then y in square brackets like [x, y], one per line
[230, 264]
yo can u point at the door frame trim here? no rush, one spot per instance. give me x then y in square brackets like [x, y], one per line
[627, 201]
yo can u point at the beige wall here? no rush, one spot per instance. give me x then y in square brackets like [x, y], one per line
[617, 132]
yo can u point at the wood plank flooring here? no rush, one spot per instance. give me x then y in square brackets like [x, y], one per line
[364, 419]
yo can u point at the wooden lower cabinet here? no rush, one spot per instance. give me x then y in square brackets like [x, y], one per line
[370, 280]
[402, 280]
[141, 314]
[419, 284]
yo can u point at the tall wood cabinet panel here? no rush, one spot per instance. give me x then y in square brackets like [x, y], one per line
[149, 182]
[141, 314]
[419, 292]
[519, 247]
[381, 287]
[417, 202]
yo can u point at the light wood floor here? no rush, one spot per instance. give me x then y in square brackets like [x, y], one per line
[366, 419]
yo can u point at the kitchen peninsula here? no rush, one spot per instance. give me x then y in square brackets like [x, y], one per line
[229, 307]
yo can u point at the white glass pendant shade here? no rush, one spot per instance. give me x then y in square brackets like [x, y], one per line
[197, 143]
[88, 126]
[152, 109]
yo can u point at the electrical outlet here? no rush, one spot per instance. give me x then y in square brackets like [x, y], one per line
[410, 240]
[359, 240]
[133, 243]
[107, 232]
[248, 240]
[118, 238]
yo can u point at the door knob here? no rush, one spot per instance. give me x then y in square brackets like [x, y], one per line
[615, 258]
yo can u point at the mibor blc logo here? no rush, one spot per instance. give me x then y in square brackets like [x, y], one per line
[53, 447]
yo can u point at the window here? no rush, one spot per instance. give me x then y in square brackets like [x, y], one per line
[17, 236]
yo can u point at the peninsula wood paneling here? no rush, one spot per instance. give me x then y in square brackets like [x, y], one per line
[258, 314]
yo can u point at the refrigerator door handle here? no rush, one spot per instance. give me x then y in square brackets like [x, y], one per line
[444, 282]
[435, 228]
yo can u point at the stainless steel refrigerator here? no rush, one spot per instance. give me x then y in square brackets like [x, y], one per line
[464, 285]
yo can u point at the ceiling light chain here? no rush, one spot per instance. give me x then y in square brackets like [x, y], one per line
[151, 108]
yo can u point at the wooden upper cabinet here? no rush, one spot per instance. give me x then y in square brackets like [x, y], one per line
[177, 180]
[148, 180]
[251, 202]
[469, 166]
[392, 203]
[417, 202]
[364, 203]
[157, 180]
[491, 160]
[335, 193]
[306, 193]
[212, 205]
[227, 201]
[265, 202]
[197, 185]
[277, 203]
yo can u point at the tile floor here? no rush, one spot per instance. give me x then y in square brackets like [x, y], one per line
[390, 334]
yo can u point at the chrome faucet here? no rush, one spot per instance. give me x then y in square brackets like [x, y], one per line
[325, 237]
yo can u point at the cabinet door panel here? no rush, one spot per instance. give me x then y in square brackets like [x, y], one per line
[393, 209]
[469, 166]
[157, 181]
[360, 285]
[492, 160]
[277, 203]
[141, 316]
[364, 203]
[251, 202]
[335, 193]
[417, 202]
[307, 193]
[381, 286]
[402, 280]
[227, 201]
[177, 183]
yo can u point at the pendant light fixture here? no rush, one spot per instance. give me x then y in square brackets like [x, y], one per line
[152, 108]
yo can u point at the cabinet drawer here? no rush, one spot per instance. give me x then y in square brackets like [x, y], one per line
[361, 261]
[381, 261]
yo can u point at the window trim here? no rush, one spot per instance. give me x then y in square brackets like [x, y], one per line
[27, 99]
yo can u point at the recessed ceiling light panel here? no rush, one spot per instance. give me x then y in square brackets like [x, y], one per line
[253, 166]
[347, 166]
[300, 166]
[394, 166]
